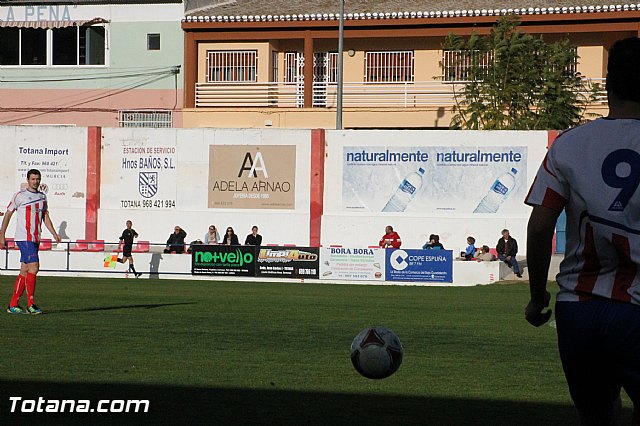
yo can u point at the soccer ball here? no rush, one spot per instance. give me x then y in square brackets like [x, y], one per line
[376, 352]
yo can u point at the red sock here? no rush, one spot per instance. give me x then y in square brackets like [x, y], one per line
[18, 289]
[31, 288]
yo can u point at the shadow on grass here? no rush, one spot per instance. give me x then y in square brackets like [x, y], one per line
[111, 308]
[218, 406]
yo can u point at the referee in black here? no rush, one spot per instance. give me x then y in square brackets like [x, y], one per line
[127, 245]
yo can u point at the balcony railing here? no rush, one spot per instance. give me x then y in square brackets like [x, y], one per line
[355, 94]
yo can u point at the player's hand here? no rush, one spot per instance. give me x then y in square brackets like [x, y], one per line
[58, 239]
[533, 312]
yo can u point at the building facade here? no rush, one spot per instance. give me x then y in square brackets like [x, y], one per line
[256, 64]
[91, 63]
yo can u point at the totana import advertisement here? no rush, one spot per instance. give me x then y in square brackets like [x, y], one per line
[454, 179]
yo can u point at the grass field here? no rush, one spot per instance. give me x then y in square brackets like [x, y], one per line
[278, 353]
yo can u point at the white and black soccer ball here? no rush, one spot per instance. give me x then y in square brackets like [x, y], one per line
[376, 352]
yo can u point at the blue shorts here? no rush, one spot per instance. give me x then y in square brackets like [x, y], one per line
[599, 343]
[28, 251]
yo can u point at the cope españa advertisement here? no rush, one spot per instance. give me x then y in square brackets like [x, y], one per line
[457, 179]
[420, 265]
[252, 176]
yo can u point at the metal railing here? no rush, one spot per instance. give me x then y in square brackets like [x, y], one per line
[355, 94]
[145, 118]
[86, 256]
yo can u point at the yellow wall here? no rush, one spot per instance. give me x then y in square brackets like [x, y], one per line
[592, 61]
[304, 118]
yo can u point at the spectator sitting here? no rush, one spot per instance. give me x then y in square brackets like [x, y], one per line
[507, 249]
[390, 239]
[433, 243]
[212, 237]
[230, 238]
[253, 239]
[485, 255]
[175, 243]
[470, 251]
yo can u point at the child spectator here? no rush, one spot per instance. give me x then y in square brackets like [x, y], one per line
[470, 251]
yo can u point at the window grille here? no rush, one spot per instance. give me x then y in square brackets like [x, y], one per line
[145, 118]
[232, 65]
[274, 66]
[294, 67]
[332, 67]
[457, 63]
[389, 66]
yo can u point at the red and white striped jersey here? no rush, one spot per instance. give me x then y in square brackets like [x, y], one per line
[593, 171]
[30, 208]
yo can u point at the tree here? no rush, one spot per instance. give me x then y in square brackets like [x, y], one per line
[516, 81]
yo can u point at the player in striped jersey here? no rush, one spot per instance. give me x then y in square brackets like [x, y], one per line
[31, 207]
[593, 173]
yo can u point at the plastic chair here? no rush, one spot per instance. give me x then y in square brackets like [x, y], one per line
[45, 244]
[11, 244]
[141, 247]
[80, 245]
[494, 252]
[97, 245]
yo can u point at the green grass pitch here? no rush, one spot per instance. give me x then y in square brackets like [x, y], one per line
[278, 353]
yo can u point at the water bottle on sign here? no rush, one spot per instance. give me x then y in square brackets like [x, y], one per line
[499, 191]
[405, 192]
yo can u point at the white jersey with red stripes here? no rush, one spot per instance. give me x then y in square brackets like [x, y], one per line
[29, 207]
[593, 172]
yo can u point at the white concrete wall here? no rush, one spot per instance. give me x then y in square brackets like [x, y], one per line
[187, 186]
[444, 205]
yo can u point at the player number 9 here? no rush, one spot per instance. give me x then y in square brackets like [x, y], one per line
[627, 183]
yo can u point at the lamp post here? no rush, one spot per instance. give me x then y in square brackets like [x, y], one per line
[340, 66]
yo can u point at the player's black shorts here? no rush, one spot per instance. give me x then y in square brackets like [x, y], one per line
[599, 343]
[126, 251]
